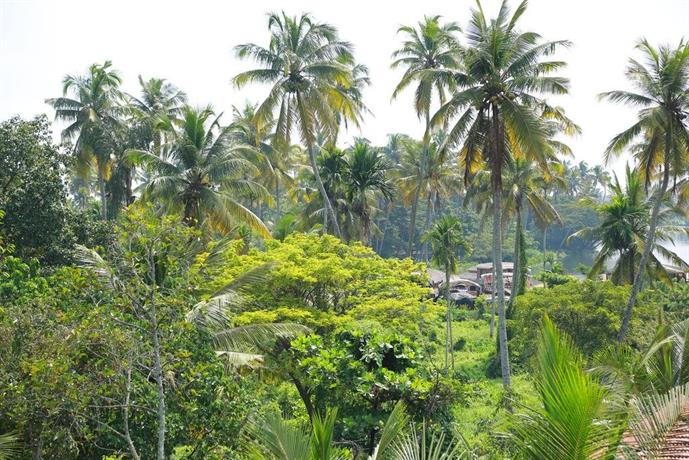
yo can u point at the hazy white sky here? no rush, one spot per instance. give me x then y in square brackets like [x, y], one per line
[191, 44]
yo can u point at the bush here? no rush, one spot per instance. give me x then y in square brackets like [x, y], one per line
[587, 311]
[459, 344]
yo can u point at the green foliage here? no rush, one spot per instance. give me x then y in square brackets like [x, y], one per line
[322, 282]
[588, 312]
[364, 371]
[577, 419]
[554, 278]
[39, 222]
[69, 345]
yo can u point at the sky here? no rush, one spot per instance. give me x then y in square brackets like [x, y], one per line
[191, 44]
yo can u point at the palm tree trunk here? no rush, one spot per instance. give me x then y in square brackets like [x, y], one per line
[545, 232]
[491, 327]
[516, 272]
[499, 287]
[449, 342]
[631, 267]
[447, 317]
[103, 197]
[412, 220]
[496, 182]
[381, 241]
[648, 248]
[330, 212]
[278, 209]
[426, 226]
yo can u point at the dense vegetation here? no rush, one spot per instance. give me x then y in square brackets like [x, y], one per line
[177, 284]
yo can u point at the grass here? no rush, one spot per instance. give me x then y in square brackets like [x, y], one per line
[480, 416]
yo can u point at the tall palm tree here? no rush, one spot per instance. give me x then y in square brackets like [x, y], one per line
[426, 54]
[446, 241]
[523, 184]
[428, 173]
[498, 107]
[662, 94]
[601, 179]
[147, 124]
[310, 69]
[275, 164]
[90, 103]
[156, 109]
[622, 232]
[367, 177]
[200, 175]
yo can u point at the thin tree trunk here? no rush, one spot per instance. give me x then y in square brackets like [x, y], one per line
[648, 248]
[516, 272]
[491, 327]
[631, 268]
[449, 342]
[158, 371]
[157, 363]
[412, 220]
[125, 414]
[426, 226]
[545, 232]
[499, 287]
[329, 211]
[103, 197]
[381, 241]
[278, 209]
[496, 180]
[517, 263]
[36, 444]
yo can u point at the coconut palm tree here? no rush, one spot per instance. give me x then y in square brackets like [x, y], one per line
[624, 226]
[498, 112]
[662, 94]
[90, 104]
[446, 242]
[200, 175]
[160, 104]
[427, 52]
[275, 165]
[366, 178]
[523, 183]
[428, 173]
[148, 123]
[310, 70]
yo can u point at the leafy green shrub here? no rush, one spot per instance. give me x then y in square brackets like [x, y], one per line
[587, 311]
[460, 314]
[552, 278]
